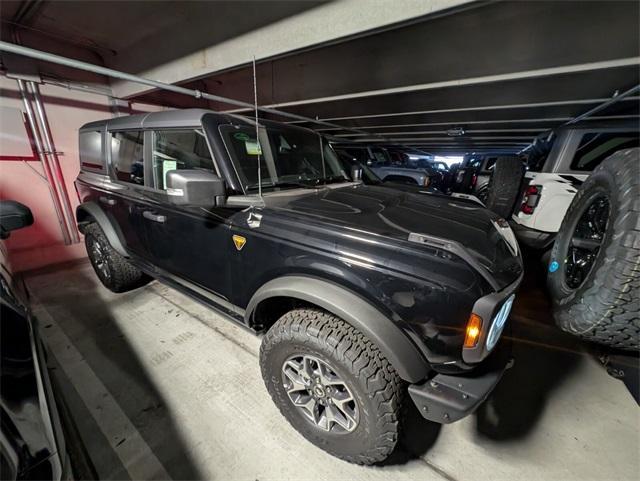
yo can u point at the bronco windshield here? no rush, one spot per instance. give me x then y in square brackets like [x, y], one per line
[289, 157]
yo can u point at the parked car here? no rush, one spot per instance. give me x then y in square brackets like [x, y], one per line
[557, 167]
[380, 162]
[578, 205]
[474, 173]
[364, 293]
[368, 177]
[33, 444]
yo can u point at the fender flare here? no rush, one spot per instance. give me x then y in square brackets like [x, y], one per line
[353, 309]
[110, 229]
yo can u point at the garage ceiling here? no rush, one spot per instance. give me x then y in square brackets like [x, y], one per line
[501, 72]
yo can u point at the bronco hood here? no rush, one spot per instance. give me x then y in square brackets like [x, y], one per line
[396, 214]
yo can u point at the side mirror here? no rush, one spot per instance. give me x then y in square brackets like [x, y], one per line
[13, 216]
[356, 173]
[195, 187]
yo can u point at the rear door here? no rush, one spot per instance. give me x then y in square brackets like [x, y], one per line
[189, 242]
[126, 188]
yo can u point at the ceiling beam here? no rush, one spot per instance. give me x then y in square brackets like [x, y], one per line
[526, 74]
[474, 122]
[429, 132]
[554, 103]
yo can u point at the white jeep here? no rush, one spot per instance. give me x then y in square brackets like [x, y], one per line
[557, 167]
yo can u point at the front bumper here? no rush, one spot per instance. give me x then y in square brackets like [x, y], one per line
[448, 398]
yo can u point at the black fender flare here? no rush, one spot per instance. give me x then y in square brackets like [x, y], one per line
[92, 210]
[390, 339]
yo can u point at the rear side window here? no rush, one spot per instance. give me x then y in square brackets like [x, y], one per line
[594, 147]
[179, 150]
[127, 156]
[90, 144]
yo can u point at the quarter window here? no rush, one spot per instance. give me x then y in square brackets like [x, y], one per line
[179, 150]
[596, 146]
[127, 156]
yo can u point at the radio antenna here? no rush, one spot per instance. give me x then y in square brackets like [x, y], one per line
[255, 103]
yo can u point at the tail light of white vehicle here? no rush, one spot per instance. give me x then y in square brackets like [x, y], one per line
[531, 199]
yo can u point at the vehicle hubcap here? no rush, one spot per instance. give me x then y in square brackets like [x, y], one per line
[100, 259]
[315, 388]
[586, 241]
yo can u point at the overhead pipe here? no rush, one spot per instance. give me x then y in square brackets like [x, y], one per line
[595, 110]
[55, 199]
[89, 67]
[602, 106]
[54, 161]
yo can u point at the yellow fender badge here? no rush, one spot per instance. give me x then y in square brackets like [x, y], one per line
[239, 241]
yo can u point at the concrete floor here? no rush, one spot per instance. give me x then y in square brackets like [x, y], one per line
[161, 387]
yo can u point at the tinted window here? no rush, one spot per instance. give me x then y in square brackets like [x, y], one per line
[179, 150]
[595, 147]
[289, 157]
[381, 156]
[91, 150]
[127, 156]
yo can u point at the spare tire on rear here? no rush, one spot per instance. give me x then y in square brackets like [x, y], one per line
[594, 270]
[504, 185]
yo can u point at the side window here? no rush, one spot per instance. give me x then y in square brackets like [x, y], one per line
[127, 156]
[594, 147]
[90, 144]
[179, 150]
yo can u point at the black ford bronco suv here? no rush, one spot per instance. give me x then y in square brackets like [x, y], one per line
[364, 293]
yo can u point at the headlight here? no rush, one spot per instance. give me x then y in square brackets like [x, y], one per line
[499, 321]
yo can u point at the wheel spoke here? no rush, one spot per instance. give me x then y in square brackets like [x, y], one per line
[586, 241]
[588, 244]
[315, 388]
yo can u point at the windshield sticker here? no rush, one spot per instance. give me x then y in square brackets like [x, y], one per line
[253, 148]
[168, 166]
[241, 136]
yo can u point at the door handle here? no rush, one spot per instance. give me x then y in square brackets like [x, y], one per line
[147, 214]
[106, 200]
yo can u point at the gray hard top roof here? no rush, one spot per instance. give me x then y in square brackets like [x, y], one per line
[174, 118]
[165, 118]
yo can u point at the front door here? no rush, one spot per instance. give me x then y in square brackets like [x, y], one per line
[191, 243]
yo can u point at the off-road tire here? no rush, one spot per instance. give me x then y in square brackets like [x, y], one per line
[504, 186]
[375, 384]
[605, 308]
[122, 276]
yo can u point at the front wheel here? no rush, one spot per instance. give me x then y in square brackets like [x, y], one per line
[333, 385]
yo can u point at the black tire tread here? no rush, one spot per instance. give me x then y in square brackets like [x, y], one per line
[124, 276]
[608, 311]
[359, 355]
[504, 186]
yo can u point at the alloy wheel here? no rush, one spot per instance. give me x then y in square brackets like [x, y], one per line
[100, 260]
[586, 241]
[319, 393]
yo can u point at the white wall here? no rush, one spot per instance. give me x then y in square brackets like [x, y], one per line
[67, 110]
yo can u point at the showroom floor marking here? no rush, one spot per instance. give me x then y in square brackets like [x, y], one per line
[134, 453]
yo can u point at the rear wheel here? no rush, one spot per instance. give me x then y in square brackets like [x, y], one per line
[504, 186]
[594, 271]
[333, 385]
[113, 270]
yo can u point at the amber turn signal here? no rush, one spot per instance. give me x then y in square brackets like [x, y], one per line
[474, 328]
